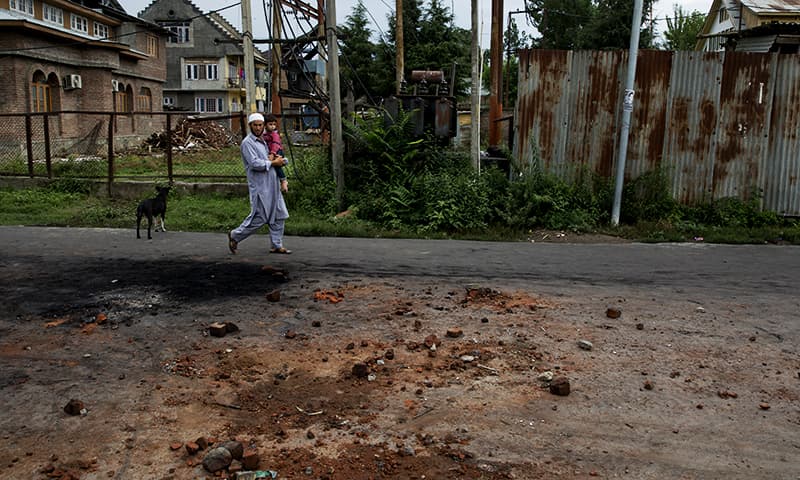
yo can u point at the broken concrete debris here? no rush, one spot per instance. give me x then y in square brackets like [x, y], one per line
[220, 329]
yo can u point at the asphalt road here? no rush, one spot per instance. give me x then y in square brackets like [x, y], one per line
[734, 269]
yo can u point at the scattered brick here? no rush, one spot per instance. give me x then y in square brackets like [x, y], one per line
[560, 386]
[73, 407]
[218, 329]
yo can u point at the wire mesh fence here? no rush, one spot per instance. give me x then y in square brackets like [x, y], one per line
[163, 145]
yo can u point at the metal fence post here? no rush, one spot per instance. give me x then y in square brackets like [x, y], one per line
[169, 147]
[110, 151]
[29, 144]
[47, 160]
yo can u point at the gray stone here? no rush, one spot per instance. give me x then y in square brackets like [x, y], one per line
[217, 459]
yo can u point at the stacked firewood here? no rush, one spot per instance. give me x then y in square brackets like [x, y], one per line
[194, 135]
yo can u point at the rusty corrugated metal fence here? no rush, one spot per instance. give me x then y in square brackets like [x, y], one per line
[720, 124]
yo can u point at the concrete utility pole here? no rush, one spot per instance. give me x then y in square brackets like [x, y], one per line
[475, 97]
[337, 146]
[249, 58]
[495, 104]
[400, 64]
[627, 108]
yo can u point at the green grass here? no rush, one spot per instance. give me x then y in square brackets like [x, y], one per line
[63, 204]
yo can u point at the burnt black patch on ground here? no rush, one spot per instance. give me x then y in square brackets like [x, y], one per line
[79, 286]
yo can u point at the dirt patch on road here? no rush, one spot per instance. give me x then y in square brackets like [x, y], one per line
[344, 377]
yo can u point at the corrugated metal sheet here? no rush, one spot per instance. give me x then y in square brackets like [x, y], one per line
[745, 107]
[645, 147]
[781, 172]
[692, 112]
[543, 113]
[755, 44]
[772, 6]
[720, 124]
[593, 103]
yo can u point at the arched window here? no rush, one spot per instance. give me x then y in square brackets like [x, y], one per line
[41, 99]
[55, 92]
[144, 101]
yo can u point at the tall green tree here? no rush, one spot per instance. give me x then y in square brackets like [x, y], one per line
[683, 28]
[587, 24]
[358, 54]
[560, 23]
[610, 27]
[431, 42]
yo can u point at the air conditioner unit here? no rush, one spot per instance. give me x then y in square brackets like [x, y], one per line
[114, 86]
[72, 81]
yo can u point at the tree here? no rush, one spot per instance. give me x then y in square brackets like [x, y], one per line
[358, 54]
[587, 24]
[431, 42]
[610, 27]
[683, 28]
[559, 22]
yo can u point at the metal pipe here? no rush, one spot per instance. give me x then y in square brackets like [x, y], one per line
[627, 108]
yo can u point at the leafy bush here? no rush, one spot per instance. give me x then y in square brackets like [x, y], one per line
[311, 185]
[648, 198]
[732, 212]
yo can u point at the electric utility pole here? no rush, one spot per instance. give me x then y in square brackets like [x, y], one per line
[249, 58]
[275, 79]
[475, 97]
[627, 108]
[337, 147]
[400, 65]
[495, 104]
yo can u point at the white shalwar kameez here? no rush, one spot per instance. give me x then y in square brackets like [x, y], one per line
[266, 201]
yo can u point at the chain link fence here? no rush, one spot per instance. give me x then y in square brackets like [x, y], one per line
[144, 146]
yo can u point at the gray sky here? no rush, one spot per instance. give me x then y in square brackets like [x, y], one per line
[379, 9]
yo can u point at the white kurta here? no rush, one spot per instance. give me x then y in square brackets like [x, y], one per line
[267, 205]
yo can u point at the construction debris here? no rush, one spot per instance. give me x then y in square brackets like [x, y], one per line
[192, 134]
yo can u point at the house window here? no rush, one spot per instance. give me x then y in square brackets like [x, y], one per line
[53, 14]
[22, 6]
[208, 104]
[121, 101]
[144, 101]
[723, 14]
[169, 101]
[100, 30]
[179, 30]
[41, 96]
[78, 23]
[192, 71]
[152, 46]
[202, 71]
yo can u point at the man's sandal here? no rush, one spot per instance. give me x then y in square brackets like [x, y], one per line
[280, 250]
[232, 244]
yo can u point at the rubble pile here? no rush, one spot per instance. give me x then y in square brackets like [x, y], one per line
[193, 135]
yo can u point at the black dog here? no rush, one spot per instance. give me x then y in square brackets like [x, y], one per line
[152, 207]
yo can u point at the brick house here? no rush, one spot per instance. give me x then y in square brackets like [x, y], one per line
[87, 55]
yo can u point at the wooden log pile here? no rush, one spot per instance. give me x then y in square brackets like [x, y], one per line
[194, 135]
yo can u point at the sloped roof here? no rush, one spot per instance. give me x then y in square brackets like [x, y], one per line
[772, 6]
